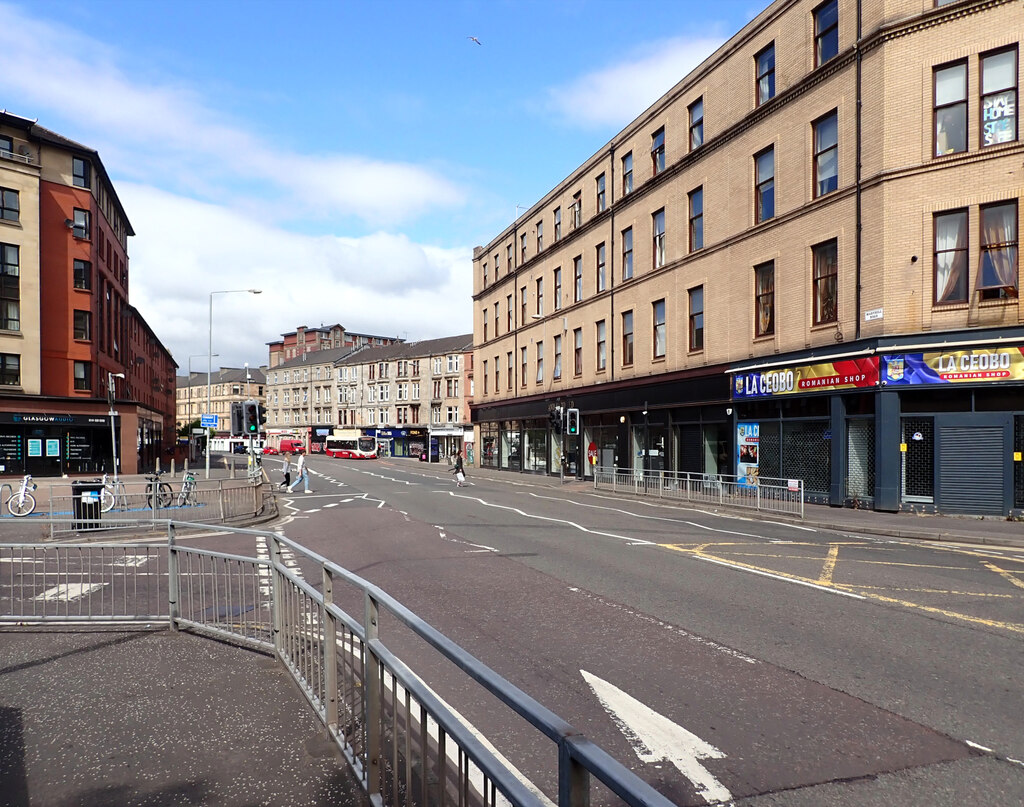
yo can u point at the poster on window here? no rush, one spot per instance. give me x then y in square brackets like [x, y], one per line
[954, 367]
[747, 435]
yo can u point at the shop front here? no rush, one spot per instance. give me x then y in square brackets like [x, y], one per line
[55, 444]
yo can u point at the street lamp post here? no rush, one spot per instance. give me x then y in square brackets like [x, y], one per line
[110, 400]
[209, 364]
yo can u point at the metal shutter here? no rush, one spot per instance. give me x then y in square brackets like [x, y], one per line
[971, 469]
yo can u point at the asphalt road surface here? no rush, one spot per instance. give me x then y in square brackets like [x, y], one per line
[722, 659]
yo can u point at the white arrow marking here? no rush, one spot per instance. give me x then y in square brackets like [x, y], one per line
[654, 738]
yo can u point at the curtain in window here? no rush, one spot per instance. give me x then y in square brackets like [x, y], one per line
[951, 258]
[999, 248]
[765, 301]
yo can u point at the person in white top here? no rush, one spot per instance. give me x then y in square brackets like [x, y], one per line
[301, 474]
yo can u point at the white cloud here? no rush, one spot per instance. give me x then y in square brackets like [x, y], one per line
[157, 130]
[617, 94]
[382, 284]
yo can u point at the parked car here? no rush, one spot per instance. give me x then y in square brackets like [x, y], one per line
[270, 450]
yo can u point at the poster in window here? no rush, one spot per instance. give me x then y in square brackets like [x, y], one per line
[35, 448]
[747, 438]
[53, 447]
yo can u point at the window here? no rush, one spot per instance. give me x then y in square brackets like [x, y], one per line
[497, 378]
[696, 233]
[627, 338]
[696, 296]
[577, 210]
[826, 154]
[764, 299]
[497, 264]
[540, 236]
[658, 227]
[825, 282]
[10, 368]
[508, 313]
[660, 336]
[484, 317]
[577, 351]
[82, 224]
[509, 374]
[627, 253]
[540, 296]
[696, 115]
[83, 325]
[80, 170]
[826, 32]
[508, 257]
[577, 274]
[10, 208]
[83, 375]
[540, 362]
[999, 97]
[658, 151]
[950, 264]
[497, 311]
[951, 109]
[765, 74]
[522, 251]
[485, 274]
[6, 148]
[627, 173]
[602, 359]
[557, 283]
[602, 282]
[556, 371]
[558, 223]
[764, 190]
[997, 275]
[522, 361]
[10, 288]
[601, 203]
[522, 305]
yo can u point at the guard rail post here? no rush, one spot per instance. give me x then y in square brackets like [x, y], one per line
[372, 696]
[220, 497]
[330, 655]
[276, 592]
[573, 778]
[173, 591]
[757, 487]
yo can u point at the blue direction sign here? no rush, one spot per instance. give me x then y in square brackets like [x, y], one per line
[208, 421]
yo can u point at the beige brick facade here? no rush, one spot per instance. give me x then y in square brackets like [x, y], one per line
[884, 286]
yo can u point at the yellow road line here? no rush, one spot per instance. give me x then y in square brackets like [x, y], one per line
[825, 578]
[1005, 573]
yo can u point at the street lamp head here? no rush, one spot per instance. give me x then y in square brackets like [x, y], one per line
[255, 291]
[116, 375]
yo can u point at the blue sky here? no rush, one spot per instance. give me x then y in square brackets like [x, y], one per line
[344, 157]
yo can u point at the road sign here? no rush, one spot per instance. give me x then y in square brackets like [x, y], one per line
[592, 453]
[208, 421]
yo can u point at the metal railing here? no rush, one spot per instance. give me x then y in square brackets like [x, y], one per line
[136, 503]
[785, 496]
[403, 742]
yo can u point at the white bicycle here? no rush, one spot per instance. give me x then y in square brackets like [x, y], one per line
[187, 496]
[112, 493]
[21, 502]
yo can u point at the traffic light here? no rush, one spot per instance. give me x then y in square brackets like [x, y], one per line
[252, 417]
[555, 416]
[237, 419]
[572, 421]
[261, 414]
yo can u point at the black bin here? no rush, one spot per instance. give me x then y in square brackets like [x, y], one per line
[85, 502]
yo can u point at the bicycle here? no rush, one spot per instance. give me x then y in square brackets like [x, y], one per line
[22, 503]
[187, 495]
[112, 493]
[158, 493]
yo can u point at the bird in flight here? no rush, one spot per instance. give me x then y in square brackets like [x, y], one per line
[475, 40]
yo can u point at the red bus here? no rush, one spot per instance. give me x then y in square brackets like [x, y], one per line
[348, 444]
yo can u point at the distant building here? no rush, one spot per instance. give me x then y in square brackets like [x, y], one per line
[306, 340]
[227, 385]
[68, 332]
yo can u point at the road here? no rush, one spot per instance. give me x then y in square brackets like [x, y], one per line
[723, 659]
[720, 658]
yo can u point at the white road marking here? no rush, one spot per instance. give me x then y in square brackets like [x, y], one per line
[783, 578]
[655, 738]
[66, 592]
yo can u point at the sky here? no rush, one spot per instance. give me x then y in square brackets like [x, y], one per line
[343, 157]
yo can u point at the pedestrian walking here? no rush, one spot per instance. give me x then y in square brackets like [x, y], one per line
[301, 475]
[459, 471]
[286, 471]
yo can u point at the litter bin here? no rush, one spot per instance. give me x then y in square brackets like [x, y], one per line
[85, 502]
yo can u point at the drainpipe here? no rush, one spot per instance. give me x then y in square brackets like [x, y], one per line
[859, 137]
